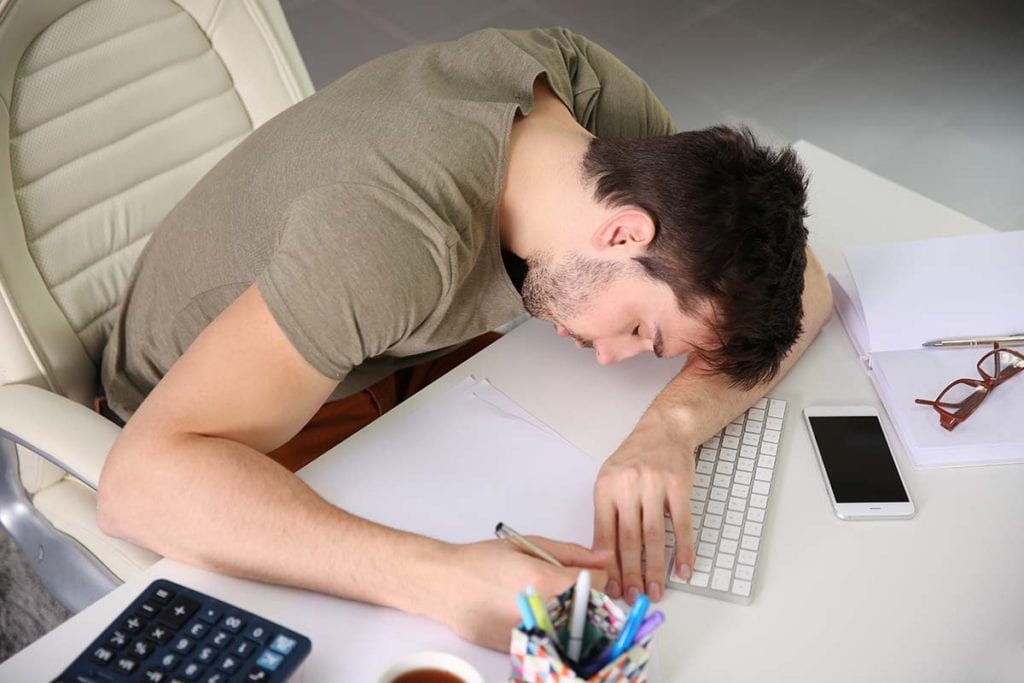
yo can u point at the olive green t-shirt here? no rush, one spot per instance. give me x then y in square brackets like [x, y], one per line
[367, 213]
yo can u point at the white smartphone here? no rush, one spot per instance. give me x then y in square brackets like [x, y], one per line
[855, 456]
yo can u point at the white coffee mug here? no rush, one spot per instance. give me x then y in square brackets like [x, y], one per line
[432, 660]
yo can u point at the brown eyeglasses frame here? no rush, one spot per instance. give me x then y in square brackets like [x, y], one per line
[966, 408]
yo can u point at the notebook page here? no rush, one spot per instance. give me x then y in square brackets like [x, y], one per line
[911, 292]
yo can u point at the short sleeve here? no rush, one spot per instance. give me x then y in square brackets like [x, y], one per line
[355, 271]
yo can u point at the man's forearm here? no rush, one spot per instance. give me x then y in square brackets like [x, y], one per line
[695, 405]
[219, 504]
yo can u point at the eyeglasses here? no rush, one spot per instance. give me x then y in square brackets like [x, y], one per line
[961, 398]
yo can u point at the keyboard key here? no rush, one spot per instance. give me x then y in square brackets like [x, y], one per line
[698, 494]
[102, 655]
[752, 528]
[728, 546]
[751, 439]
[192, 671]
[141, 649]
[718, 493]
[701, 480]
[773, 423]
[722, 480]
[178, 611]
[706, 549]
[182, 646]
[755, 514]
[169, 661]
[696, 508]
[727, 454]
[763, 474]
[210, 615]
[744, 572]
[743, 477]
[734, 430]
[751, 543]
[730, 442]
[777, 408]
[134, 624]
[696, 521]
[709, 535]
[721, 579]
[270, 660]
[716, 507]
[753, 427]
[233, 623]
[117, 640]
[162, 595]
[767, 461]
[737, 504]
[771, 435]
[670, 541]
[733, 517]
[707, 454]
[761, 488]
[702, 564]
[725, 467]
[748, 557]
[125, 665]
[221, 639]
[769, 448]
[761, 404]
[159, 634]
[243, 648]
[206, 654]
[700, 579]
[748, 452]
[756, 414]
[745, 465]
[740, 490]
[712, 443]
[758, 501]
[705, 467]
[148, 610]
[154, 676]
[725, 560]
[713, 521]
[741, 587]
[197, 629]
[217, 677]
[229, 663]
[731, 531]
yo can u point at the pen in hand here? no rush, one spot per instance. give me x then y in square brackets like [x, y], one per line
[507, 533]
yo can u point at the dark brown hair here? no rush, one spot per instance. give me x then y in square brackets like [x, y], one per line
[729, 216]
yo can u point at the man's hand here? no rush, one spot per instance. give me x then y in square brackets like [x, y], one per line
[648, 476]
[477, 597]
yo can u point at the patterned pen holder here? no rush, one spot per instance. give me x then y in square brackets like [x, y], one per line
[535, 659]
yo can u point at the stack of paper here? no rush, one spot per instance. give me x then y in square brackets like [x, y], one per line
[897, 296]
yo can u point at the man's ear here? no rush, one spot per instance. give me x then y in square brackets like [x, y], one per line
[629, 228]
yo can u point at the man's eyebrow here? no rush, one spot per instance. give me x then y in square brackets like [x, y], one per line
[659, 343]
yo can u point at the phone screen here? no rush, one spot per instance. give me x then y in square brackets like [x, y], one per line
[857, 459]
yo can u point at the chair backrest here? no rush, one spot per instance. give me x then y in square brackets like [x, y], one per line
[110, 111]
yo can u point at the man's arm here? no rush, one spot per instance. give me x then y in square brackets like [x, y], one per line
[188, 478]
[652, 471]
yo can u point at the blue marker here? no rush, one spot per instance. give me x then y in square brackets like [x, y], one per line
[636, 615]
[529, 623]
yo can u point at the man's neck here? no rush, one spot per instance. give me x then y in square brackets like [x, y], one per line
[542, 202]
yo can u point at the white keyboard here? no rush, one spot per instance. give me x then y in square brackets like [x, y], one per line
[728, 503]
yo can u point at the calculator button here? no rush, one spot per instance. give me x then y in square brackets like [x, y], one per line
[179, 611]
[162, 595]
[182, 646]
[102, 655]
[270, 660]
[257, 633]
[192, 671]
[233, 623]
[159, 634]
[229, 663]
[169, 661]
[154, 676]
[257, 674]
[125, 665]
[206, 654]
[133, 624]
[148, 610]
[243, 648]
[141, 649]
[217, 677]
[210, 615]
[117, 640]
[197, 630]
[221, 639]
[283, 644]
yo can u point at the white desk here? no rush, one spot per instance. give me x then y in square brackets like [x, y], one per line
[936, 598]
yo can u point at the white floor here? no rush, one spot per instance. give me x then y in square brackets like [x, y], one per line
[929, 93]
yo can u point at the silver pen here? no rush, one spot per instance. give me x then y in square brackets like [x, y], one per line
[505, 532]
[1016, 339]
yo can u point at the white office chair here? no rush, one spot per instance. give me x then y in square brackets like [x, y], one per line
[110, 110]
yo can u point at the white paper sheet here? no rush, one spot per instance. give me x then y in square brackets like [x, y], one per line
[452, 470]
[911, 292]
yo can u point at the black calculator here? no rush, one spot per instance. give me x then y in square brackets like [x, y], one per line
[171, 633]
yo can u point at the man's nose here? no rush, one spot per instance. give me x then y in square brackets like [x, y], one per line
[610, 353]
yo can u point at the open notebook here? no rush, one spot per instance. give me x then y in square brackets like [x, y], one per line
[896, 296]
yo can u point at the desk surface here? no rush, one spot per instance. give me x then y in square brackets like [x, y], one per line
[935, 598]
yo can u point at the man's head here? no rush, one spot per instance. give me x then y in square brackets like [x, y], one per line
[713, 224]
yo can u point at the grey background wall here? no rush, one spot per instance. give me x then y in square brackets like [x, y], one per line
[929, 93]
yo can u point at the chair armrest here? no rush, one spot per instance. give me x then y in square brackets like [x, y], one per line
[66, 433]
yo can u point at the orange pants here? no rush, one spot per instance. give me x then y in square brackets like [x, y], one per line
[340, 419]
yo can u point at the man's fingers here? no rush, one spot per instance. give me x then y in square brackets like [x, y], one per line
[654, 545]
[682, 525]
[605, 532]
[631, 546]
